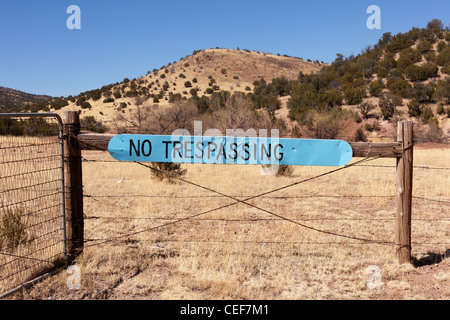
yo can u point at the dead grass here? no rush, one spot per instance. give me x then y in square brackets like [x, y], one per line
[240, 252]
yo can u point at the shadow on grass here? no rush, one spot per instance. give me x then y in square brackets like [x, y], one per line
[430, 258]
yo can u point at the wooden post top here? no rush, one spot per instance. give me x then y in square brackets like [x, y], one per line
[71, 117]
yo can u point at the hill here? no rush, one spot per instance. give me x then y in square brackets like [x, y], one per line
[205, 71]
[402, 77]
[14, 100]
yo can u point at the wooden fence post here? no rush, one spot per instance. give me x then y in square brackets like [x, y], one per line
[404, 193]
[73, 186]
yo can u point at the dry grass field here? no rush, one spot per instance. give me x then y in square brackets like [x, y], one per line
[240, 252]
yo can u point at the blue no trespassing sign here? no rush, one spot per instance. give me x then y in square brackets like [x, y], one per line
[230, 150]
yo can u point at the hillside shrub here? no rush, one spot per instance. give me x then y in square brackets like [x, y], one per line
[387, 107]
[443, 57]
[423, 72]
[360, 135]
[352, 95]
[440, 110]
[58, 104]
[365, 108]
[446, 69]
[86, 105]
[91, 124]
[427, 115]
[398, 86]
[375, 88]
[414, 108]
[424, 46]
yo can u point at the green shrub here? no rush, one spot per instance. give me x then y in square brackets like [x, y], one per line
[387, 107]
[365, 109]
[188, 84]
[447, 36]
[446, 69]
[59, 103]
[398, 86]
[352, 95]
[423, 72]
[174, 97]
[427, 115]
[382, 72]
[166, 171]
[13, 229]
[443, 57]
[108, 100]
[424, 46]
[440, 110]
[360, 136]
[414, 108]
[375, 88]
[441, 46]
[91, 124]
[284, 171]
[443, 90]
[407, 57]
[85, 105]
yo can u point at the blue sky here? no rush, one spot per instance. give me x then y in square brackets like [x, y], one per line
[118, 39]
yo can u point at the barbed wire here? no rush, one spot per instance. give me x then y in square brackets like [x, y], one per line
[96, 197]
[236, 201]
[369, 165]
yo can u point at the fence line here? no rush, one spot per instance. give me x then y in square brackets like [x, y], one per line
[400, 150]
[280, 217]
[32, 230]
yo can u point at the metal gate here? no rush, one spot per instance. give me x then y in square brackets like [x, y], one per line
[32, 223]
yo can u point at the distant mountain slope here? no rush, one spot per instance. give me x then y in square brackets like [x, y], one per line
[206, 71]
[15, 100]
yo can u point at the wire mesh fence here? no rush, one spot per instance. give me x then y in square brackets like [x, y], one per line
[31, 198]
